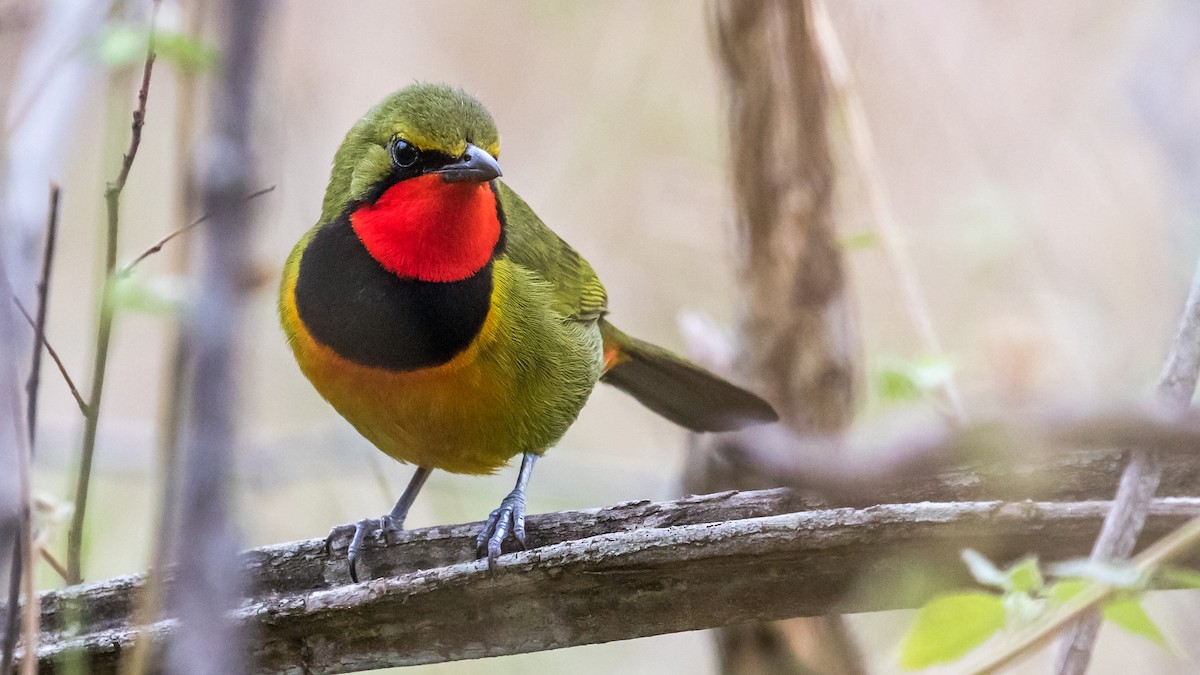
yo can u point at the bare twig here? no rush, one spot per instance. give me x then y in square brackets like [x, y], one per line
[112, 198]
[206, 558]
[1173, 546]
[30, 618]
[186, 228]
[15, 512]
[592, 576]
[1141, 478]
[171, 402]
[19, 564]
[53, 562]
[62, 368]
[866, 157]
[39, 326]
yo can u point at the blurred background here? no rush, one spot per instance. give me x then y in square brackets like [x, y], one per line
[1031, 151]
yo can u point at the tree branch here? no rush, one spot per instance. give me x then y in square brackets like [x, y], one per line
[1141, 478]
[112, 199]
[158, 245]
[62, 368]
[203, 535]
[592, 576]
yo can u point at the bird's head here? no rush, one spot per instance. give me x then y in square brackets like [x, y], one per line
[414, 177]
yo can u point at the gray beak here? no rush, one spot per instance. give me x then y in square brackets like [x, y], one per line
[474, 165]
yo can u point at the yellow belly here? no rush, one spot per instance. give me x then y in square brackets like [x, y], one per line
[516, 388]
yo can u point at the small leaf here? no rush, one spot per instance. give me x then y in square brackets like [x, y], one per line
[121, 44]
[1117, 575]
[909, 380]
[1179, 577]
[1065, 589]
[949, 626]
[858, 241]
[897, 385]
[932, 372]
[984, 571]
[1024, 576]
[1022, 608]
[1130, 615]
[159, 295]
[185, 51]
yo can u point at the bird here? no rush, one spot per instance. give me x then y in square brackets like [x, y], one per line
[454, 330]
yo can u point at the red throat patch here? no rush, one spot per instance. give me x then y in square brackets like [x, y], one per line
[425, 228]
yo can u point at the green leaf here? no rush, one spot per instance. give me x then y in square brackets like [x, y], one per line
[984, 571]
[858, 241]
[1065, 589]
[1130, 615]
[1022, 608]
[1024, 576]
[909, 380]
[1179, 577]
[1116, 574]
[148, 295]
[120, 44]
[185, 51]
[897, 385]
[949, 626]
[932, 372]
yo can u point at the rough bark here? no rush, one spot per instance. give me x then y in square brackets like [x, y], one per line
[593, 576]
[204, 539]
[796, 336]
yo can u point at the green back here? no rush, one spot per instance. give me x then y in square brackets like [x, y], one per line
[578, 293]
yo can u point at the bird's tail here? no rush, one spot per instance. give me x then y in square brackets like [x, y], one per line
[676, 388]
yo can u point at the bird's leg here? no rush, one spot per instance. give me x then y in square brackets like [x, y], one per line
[510, 517]
[392, 522]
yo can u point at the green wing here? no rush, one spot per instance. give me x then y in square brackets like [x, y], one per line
[578, 293]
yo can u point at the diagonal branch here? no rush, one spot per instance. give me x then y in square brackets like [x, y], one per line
[158, 245]
[1141, 478]
[62, 368]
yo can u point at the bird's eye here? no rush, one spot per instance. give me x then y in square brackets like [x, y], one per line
[404, 154]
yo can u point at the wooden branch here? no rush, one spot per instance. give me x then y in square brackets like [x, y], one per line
[593, 576]
[796, 329]
[62, 368]
[1140, 481]
[203, 537]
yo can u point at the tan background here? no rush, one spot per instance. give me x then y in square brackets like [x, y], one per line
[1045, 224]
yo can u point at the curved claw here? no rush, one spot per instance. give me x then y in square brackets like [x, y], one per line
[508, 518]
[361, 528]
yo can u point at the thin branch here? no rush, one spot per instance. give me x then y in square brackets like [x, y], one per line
[866, 157]
[62, 368]
[597, 575]
[908, 465]
[171, 401]
[39, 326]
[53, 562]
[124, 271]
[1140, 481]
[1170, 547]
[19, 567]
[205, 553]
[112, 198]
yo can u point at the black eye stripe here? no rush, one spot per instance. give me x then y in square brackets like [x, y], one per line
[409, 161]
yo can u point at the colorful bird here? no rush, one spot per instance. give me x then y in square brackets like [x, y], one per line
[438, 314]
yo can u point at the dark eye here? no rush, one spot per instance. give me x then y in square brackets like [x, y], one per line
[404, 154]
